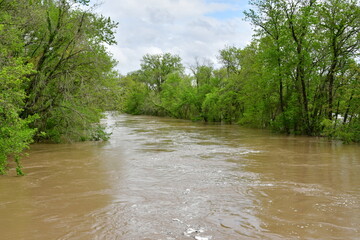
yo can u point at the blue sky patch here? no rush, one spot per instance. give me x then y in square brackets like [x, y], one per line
[234, 9]
[226, 14]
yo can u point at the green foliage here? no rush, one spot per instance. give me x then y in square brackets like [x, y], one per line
[155, 69]
[230, 57]
[98, 132]
[178, 97]
[15, 134]
[148, 90]
[210, 107]
[306, 51]
[342, 131]
[75, 79]
[299, 75]
[56, 75]
[134, 95]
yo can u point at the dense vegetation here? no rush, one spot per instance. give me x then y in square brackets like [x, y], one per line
[299, 75]
[56, 76]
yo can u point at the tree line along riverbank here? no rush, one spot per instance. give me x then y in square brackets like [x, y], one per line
[299, 75]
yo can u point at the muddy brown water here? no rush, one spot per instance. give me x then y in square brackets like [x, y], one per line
[160, 178]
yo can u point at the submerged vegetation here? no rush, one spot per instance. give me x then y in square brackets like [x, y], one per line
[299, 75]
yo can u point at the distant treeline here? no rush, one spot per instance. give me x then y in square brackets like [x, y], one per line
[299, 75]
[56, 77]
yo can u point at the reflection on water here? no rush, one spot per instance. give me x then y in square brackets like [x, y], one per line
[160, 178]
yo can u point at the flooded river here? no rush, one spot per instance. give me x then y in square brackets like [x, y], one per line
[160, 178]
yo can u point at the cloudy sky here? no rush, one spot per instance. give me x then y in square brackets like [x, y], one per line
[190, 28]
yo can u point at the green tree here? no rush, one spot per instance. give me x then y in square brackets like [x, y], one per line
[55, 73]
[15, 133]
[300, 74]
[134, 94]
[73, 69]
[307, 47]
[155, 69]
[230, 58]
[340, 26]
[272, 25]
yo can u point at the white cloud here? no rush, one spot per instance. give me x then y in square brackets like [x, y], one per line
[184, 27]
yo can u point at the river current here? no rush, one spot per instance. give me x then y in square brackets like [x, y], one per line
[167, 179]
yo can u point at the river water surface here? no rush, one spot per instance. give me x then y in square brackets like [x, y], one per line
[160, 178]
